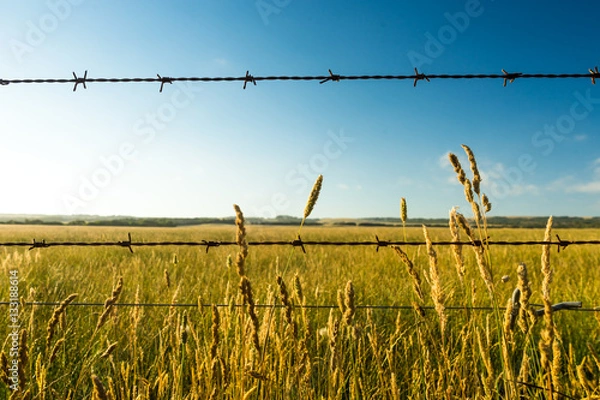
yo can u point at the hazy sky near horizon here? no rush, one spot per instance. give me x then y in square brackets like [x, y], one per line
[197, 148]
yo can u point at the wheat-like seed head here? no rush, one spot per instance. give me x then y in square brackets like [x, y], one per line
[298, 289]
[4, 371]
[99, 391]
[476, 212]
[240, 260]
[484, 269]
[183, 329]
[23, 357]
[523, 285]
[403, 210]
[285, 299]
[109, 350]
[508, 318]
[474, 169]
[56, 316]
[109, 303]
[349, 303]
[314, 195]
[582, 375]
[117, 290]
[460, 172]
[167, 278]
[464, 224]
[240, 224]
[246, 289]
[557, 364]
[484, 351]
[468, 191]
[487, 206]
[416, 279]
[456, 248]
[546, 270]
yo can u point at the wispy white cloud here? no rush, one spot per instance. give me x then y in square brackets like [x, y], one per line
[570, 184]
[580, 138]
[443, 161]
[589, 187]
[561, 184]
[346, 186]
[504, 182]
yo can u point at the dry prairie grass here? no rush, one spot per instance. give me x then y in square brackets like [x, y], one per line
[227, 345]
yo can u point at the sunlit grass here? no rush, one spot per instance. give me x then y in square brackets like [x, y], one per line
[381, 353]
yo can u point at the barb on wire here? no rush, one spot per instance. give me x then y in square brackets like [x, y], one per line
[164, 80]
[126, 243]
[80, 80]
[3, 82]
[595, 74]
[510, 77]
[332, 77]
[210, 243]
[419, 76]
[299, 243]
[562, 244]
[249, 78]
[37, 245]
[380, 243]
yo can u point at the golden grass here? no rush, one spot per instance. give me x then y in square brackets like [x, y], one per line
[262, 340]
[348, 352]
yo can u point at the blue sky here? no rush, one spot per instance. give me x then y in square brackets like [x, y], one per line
[197, 148]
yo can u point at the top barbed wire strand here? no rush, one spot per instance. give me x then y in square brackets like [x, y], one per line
[248, 78]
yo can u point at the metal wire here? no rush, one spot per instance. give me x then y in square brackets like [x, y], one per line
[556, 307]
[298, 242]
[506, 77]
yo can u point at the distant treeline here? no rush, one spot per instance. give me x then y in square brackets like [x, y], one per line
[493, 222]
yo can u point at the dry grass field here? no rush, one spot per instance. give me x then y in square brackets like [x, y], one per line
[258, 322]
[346, 351]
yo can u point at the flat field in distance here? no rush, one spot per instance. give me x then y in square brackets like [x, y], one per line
[295, 350]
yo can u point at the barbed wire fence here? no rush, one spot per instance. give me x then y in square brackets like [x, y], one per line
[561, 244]
[129, 244]
[506, 77]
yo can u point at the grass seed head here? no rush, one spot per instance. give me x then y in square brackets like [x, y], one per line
[109, 350]
[167, 278]
[487, 206]
[474, 169]
[403, 210]
[99, 391]
[349, 303]
[314, 195]
[416, 278]
[56, 317]
[240, 260]
[460, 173]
